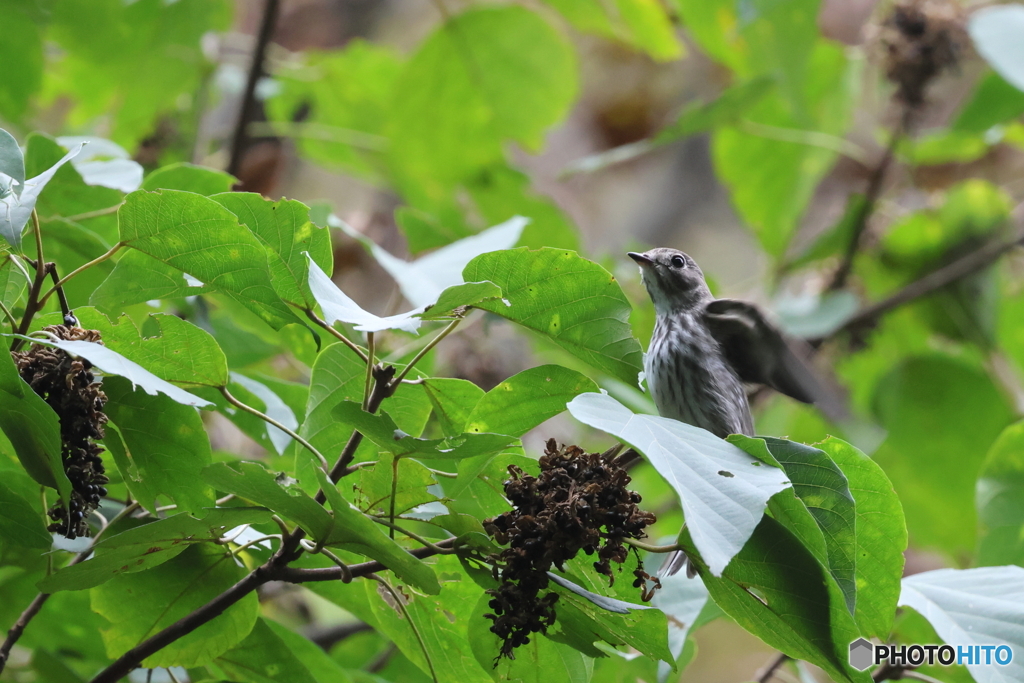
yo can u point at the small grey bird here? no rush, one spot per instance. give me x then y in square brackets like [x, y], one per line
[704, 349]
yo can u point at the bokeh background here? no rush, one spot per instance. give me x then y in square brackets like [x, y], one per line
[763, 137]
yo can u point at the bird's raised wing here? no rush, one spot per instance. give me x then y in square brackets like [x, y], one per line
[758, 351]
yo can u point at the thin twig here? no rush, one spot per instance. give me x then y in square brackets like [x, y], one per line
[368, 382]
[65, 309]
[342, 338]
[240, 137]
[329, 636]
[766, 674]
[640, 545]
[419, 539]
[426, 349]
[32, 305]
[271, 421]
[867, 207]
[10, 316]
[64, 280]
[967, 265]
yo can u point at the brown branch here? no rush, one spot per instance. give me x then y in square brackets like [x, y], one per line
[966, 265]
[240, 139]
[19, 627]
[328, 636]
[304, 575]
[768, 672]
[867, 207]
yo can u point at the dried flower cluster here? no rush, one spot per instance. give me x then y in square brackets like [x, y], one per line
[66, 384]
[579, 502]
[920, 39]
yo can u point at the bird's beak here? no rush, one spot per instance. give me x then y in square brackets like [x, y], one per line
[641, 259]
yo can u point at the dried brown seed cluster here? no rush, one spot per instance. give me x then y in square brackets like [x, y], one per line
[579, 502]
[66, 384]
[920, 39]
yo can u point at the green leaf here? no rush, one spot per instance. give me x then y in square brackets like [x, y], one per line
[137, 278]
[312, 656]
[941, 415]
[32, 427]
[132, 62]
[1000, 500]
[722, 489]
[587, 617]
[16, 209]
[159, 446]
[149, 545]
[458, 297]
[682, 600]
[453, 401]
[113, 363]
[199, 237]
[982, 606]
[163, 595]
[70, 246]
[264, 658]
[469, 87]
[527, 399]
[189, 178]
[881, 537]
[273, 407]
[22, 54]
[287, 233]
[251, 481]
[821, 492]
[574, 302]
[776, 589]
[406, 482]
[994, 101]
[181, 352]
[996, 35]
[21, 519]
[12, 281]
[383, 431]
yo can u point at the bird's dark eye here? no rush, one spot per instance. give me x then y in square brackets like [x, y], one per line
[678, 262]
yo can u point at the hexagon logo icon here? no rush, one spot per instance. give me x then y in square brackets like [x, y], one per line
[862, 654]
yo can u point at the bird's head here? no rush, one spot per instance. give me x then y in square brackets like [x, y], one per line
[673, 279]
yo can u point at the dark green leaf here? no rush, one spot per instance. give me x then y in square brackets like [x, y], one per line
[574, 302]
[149, 545]
[160, 447]
[776, 589]
[313, 657]
[21, 519]
[199, 237]
[70, 246]
[137, 278]
[163, 595]
[264, 658]
[32, 427]
[994, 101]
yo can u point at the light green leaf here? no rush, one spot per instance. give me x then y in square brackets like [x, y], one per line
[453, 401]
[982, 606]
[313, 657]
[138, 278]
[527, 399]
[70, 245]
[941, 415]
[776, 589]
[287, 233]
[159, 446]
[189, 178]
[12, 163]
[12, 281]
[881, 537]
[574, 302]
[722, 489]
[994, 101]
[32, 427]
[149, 545]
[163, 595]
[406, 482]
[456, 298]
[181, 353]
[469, 87]
[199, 237]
